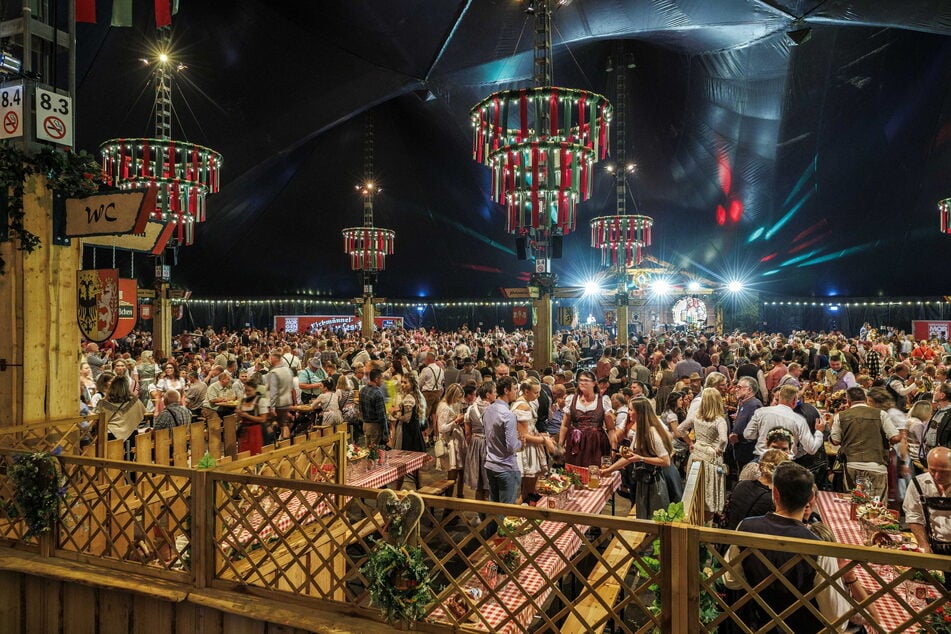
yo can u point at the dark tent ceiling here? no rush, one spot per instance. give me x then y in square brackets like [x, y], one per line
[833, 152]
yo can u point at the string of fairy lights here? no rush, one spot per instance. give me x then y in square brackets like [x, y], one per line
[342, 303]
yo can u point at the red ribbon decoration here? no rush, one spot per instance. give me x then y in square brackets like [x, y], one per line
[496, 129]
[535, 184]
[86, 11]
[163, 13]
[146, 159]
[170, 171]
[553, 112]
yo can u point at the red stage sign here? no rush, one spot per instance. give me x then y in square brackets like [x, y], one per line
[929, 329]
[309, 323]
[128, 296]
[145, 311]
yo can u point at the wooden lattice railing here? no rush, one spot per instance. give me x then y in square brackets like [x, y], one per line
[302, 540]
[314, 458]
[74, 435]
[263, 544]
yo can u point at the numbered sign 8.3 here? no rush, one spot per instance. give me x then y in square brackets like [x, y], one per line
[54, 117]
[11, 111]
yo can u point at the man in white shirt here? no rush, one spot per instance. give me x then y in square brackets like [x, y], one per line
[280, 390]
[930, 525]
[782, 415]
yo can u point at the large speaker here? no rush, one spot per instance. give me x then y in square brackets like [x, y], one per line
[521, 248]
[556, 244]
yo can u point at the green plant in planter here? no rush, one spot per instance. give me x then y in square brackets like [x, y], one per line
[650, 565]
[39, 485]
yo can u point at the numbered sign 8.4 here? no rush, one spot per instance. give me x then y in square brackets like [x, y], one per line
[54, 117]
[11, 110]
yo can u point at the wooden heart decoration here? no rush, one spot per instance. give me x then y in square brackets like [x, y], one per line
[401, 514]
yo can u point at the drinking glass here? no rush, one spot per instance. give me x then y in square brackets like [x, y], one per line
[606, 462]
[594, 476]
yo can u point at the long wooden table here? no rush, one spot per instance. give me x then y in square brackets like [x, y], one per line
[835, 511]
[534, 585]
[296, 508]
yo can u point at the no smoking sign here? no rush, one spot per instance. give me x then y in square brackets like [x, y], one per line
[54, 117]
[11, 111]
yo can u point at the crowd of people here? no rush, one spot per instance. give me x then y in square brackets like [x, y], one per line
[739, 403]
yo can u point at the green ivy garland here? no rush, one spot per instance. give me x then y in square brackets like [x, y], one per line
[39, 485]
[68, 174]
[400, 582]
[650, 564]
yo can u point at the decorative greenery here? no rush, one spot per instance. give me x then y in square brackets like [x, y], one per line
[650, 565]
[39, 485]
[928, 576]
[373, 453]
[400, 583]
[511, 559]
[207, 461]
[939, 620]
[68, 174]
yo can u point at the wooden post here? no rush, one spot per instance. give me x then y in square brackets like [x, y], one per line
[680, 578]
[203, 528]
[622, 321]
[162, 320]
[39, 337]
[542, 330]
[367, 320]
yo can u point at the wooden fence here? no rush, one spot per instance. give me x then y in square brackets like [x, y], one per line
[301, 540]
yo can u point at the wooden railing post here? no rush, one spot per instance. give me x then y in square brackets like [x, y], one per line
[203, 528]
[680, 578]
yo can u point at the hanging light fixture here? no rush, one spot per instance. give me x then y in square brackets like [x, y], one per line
[183, 173]
[368, 245]
[944, 215]
[541, 144]
[622, 236]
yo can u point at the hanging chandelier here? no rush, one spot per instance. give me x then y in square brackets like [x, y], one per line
[182, 173]
[541, 144]
[622, 236]
[368, 245]
[944, 215]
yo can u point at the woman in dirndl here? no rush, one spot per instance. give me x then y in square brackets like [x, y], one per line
[588, 421]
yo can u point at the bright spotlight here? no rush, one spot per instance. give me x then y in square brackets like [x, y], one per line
[734, 286]
[660, 287]
[163, 57]
[693, 286]
[592, 288]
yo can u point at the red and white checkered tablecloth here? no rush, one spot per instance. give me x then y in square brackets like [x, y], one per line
[534, 580]
[301, 509]
[835, 513]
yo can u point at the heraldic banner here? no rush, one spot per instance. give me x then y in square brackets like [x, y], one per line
[98, 309]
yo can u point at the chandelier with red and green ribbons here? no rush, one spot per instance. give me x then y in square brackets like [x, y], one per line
[368, 247]
[183, 174]
[621, 237]
[541, 145]
[944, 215]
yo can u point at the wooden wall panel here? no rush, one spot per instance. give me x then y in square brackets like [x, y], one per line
[43, 605]
[152, 616]
[11, 600]
[79, 609]
[115, 611]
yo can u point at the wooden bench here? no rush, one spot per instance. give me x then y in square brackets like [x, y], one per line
[603, 585]
[442, 487]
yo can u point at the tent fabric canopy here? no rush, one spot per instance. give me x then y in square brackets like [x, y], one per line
[809, 168]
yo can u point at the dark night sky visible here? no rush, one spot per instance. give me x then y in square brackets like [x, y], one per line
[835, 151]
